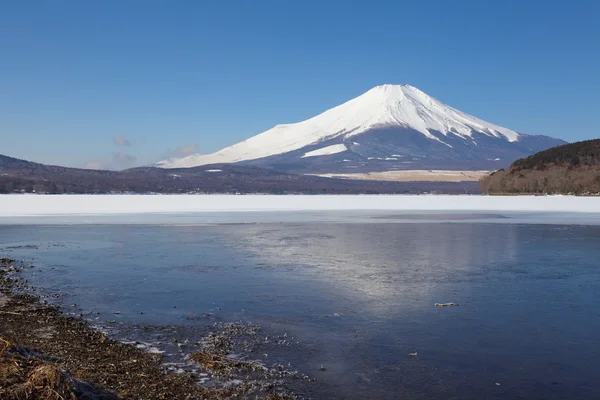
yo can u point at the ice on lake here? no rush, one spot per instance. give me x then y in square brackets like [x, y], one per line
[353, 279]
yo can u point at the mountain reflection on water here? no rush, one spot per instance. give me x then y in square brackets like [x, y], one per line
[381, 263]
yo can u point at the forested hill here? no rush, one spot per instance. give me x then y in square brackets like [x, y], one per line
[570, 168]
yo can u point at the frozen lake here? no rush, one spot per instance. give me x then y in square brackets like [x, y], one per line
[355, 289]
[210, 209]
[38, 205]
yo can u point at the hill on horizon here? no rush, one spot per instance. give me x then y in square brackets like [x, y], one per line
[570, 168]
[20, 176]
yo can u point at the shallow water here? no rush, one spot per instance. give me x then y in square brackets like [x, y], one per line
[357, 297]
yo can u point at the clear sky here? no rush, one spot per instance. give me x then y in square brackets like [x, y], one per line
[127, 82]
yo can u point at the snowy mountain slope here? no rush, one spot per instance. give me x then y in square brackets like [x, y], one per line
[326, 151]
[387, 123]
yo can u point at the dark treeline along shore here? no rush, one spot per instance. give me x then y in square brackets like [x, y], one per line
[568, 169]
[19, 176]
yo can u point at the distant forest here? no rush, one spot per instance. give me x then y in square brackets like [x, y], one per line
[571, 168]
[19, 176]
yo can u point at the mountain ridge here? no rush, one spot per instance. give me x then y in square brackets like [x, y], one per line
[423, 126]
[20, 176]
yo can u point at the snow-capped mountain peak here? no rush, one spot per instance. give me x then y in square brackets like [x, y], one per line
[407, 106]
[401, 107]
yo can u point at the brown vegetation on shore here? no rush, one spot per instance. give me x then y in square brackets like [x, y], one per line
[49, 356]
[24, 376]
[572, 168]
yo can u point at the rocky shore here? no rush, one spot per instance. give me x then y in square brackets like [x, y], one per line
[45, 354]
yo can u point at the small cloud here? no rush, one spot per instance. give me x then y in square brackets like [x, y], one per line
[124, 158]
[121, 141]
[95, 165]
[182, 151]
[186, 149]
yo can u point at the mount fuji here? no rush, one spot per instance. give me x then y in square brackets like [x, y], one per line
[390, 127]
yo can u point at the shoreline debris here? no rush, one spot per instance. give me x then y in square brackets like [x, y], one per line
[73, 358]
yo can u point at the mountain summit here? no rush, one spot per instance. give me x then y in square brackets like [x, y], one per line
[390, 127]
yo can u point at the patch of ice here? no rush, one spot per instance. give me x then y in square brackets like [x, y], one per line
[144, 346]
[234, 382]
[149, 348]
[98, 205]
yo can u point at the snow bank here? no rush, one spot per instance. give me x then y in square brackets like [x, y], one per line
[40, 205]
[325, 151]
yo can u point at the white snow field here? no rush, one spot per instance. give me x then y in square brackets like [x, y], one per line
[325, 151]
[52, 205]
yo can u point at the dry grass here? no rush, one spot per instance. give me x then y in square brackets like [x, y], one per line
[413, 176]
[5, 345]
[26, 377]
[224, 367]
[10, 365]
[212, 361]
[44, 382]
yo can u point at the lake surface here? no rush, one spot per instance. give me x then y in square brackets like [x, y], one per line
[357, 297]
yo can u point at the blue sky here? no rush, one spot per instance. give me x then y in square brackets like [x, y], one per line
[123, 83]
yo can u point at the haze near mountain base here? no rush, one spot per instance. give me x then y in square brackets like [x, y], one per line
[390, 127]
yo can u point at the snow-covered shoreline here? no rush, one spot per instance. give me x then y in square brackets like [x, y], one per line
[45, 205]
